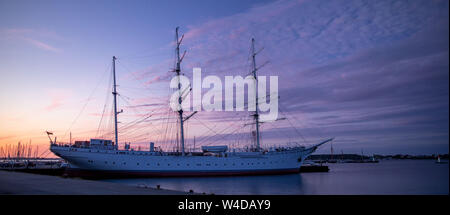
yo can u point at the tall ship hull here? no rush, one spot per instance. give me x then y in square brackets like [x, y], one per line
[124, 163]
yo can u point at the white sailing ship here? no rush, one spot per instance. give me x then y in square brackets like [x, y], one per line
[102, 157]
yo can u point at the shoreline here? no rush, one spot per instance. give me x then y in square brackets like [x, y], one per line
[19, 183]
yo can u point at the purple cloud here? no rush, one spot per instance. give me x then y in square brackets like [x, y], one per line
[370, 73]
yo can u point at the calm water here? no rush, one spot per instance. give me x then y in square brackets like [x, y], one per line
[386, 177]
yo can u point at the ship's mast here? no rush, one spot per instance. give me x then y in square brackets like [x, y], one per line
[115, 105]
[256, 87]
[178, 70]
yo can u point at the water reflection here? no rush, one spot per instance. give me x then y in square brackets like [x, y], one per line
[386, 177]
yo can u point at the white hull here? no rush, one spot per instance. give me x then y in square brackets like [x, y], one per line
[135, 163]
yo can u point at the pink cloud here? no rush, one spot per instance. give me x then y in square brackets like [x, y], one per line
[153, 74]
[57, 96]
[101, 114]
[7, 137]
[159, 78]
[41, 45]
[56, 102]
[30, 36]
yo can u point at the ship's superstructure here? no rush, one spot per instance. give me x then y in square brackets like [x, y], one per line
[102, 156]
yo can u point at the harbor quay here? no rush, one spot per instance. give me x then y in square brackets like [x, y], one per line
[19, 183]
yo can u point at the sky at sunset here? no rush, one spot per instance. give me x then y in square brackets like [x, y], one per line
[372, 74]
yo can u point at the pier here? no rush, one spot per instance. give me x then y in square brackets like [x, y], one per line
[19, 183]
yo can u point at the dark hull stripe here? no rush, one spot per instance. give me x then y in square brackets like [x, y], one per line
[136, 174]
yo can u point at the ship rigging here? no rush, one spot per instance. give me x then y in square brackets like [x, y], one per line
[103, 156]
